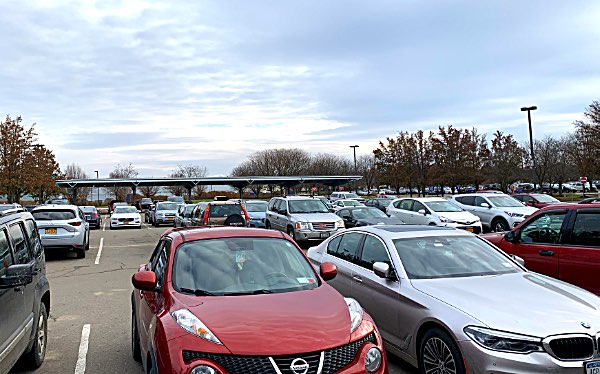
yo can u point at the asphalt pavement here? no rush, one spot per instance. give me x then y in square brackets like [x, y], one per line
[90, 314]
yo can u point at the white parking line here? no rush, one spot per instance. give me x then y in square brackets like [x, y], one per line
[99, 251]
[83, 349]
[148, 227]
[104, 226]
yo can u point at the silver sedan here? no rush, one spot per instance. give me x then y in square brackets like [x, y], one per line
[447, 301]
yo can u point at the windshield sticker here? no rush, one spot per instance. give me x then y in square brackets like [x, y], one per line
[240, 258]
[305, 280]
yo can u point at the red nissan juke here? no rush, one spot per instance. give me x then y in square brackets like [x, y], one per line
[245, 301]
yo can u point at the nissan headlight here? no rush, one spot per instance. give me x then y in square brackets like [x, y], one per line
[340, 224]
[302, 225]
[373, 360]
[504, 341]
[356, 313]
[203, 369]
[192, 324]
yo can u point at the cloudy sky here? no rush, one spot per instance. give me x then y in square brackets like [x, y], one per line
[162, 83]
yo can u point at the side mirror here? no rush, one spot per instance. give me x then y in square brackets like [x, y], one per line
[510, 236]
[144, 280]
[17, 275]
[422, 211]
[139, 211]
[328, 271]
[381, 269]
[518, 260]
[485, 205]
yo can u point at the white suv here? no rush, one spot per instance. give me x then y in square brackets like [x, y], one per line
[497, 211]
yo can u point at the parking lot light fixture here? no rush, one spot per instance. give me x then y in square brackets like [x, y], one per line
[355, 169]
[96, 171]
[528, 110]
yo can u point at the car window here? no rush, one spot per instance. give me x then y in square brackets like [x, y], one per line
[519, 197]
[167, 206]
[544, 229]
[344, 213]
[32, 236]
[480, 200]
[22, 255]
[308, 206]
[160, 265]
[417, 205]
[332, 246]
[373, 251]
[225, 210]
[53, 214]
[586, 230]
[504, 201]
[443, 206]
[466, 200]
[5, 256]
[406, 204]
[242, 265]
[451, 256]
[348, 246]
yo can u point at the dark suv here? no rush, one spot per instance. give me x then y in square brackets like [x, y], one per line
[24, 292]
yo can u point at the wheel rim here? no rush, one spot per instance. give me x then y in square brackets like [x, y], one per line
[500, 226]
[437, 357]
[41, 338]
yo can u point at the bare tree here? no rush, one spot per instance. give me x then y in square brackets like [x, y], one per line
[74, 171]
[367, 168]
[506, 159]
[188, 171]
[122, 172]
[149, 191]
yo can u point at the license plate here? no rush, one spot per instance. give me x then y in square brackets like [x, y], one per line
[87, 216]
[592, 367]
[170, 219]
[50, 231]
[324, 235]
[469, 229]
[126, 223]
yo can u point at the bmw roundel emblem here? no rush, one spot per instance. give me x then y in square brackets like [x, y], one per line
[585, 325]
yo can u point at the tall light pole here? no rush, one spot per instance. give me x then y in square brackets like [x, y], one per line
[355, 169]
[528, 110]
[96, 171]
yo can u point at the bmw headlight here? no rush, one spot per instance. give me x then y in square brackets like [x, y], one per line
[192, 324]
[356, 313]
[504, 341]
[340, 224]
[302, 225]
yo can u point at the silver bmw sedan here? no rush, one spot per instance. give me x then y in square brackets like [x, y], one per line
[447, 301]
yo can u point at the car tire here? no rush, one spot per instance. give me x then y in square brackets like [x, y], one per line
[35, 357]
[499, 225]
[87, 243]
[438, 348]
[136, 350]
[81, 252]
[290, 232]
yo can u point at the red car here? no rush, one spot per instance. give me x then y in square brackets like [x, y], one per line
[243, 301]
[562, 241]
[536, 200]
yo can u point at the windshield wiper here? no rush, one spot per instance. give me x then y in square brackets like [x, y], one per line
[197, 292]
[255, 292]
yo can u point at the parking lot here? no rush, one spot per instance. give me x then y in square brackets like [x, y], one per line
[90, 316]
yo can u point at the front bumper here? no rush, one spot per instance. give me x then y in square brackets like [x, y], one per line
[313, 235]
[474, 227]
[164, 220]
[257, 223]
[485, 361]
[125, 224]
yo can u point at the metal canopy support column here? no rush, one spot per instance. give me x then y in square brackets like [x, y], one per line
[134, 191]
[189, 190]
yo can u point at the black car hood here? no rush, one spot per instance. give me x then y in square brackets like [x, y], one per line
[379, 221]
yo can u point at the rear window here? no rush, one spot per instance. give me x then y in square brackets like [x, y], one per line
[225, 210]
[88, 209]
[167, 206]
[53, 214]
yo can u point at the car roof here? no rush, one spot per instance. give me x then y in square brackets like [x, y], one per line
[484, 194]
[410, 231]
[56, 206]
[571, 206]
[12, 215]
[424, 199]
[214, 232]
[297, 197]
[224, 203]
[361, 207]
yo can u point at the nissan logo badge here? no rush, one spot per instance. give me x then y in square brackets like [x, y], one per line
[299, 366]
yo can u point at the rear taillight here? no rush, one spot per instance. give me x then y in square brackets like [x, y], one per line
[246, 215]
[206, 213]
[95, 215]
[75, 223]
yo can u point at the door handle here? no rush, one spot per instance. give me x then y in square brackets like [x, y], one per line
[546, 253]
[357, 278]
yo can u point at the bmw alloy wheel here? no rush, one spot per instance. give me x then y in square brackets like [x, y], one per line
[437, 357]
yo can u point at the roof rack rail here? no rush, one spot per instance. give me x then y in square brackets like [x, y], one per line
[8, 212]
